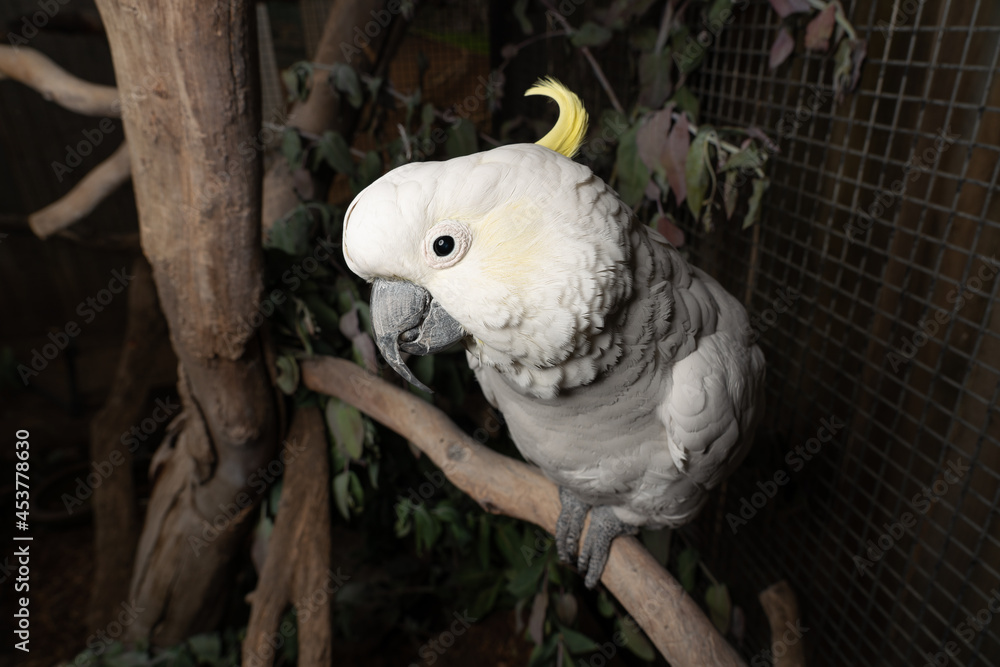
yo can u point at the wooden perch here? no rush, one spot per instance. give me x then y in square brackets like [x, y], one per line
[54, 83]
[673, 621]
[36, 70]
[297, 569]
[782, 609]
[76, 204]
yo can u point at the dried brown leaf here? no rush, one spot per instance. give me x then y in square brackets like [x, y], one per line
[784, 45]
[820, 29]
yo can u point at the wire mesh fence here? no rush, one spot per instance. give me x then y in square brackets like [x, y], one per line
[872, 285]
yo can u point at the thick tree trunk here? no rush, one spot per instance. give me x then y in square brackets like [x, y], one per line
[186, 73]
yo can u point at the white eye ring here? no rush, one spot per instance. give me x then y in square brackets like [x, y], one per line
[461, 241]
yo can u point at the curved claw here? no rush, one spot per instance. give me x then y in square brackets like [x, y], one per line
[569, 526]
[605, 526]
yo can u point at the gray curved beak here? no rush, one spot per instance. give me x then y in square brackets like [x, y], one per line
[406, 317]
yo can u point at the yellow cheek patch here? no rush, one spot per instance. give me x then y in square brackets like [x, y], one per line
[510, 244]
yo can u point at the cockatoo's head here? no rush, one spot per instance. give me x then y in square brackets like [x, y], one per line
[519, 251]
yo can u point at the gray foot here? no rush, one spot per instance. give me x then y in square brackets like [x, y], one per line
[569, 526]
[604, 527]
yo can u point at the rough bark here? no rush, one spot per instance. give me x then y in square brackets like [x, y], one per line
[296, 571]
[199, 216]
[657, 602]
[116, 513]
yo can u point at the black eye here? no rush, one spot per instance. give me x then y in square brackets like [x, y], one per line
[443, 245]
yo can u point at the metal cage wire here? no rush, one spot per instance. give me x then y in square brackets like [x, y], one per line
[883, 219]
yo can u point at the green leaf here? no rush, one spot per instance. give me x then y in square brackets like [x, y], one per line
[507, 541]
[427, 115]
[290, 234]
[369, 170]
[720, 13]
[446, 513]
[486, 600]
[522, 17]
[750, 157]
[291, 147]
[373, 83]
[655, 80]
[684, 100]
[341, 494]
[346, 426]
[483, 546]
[525, 581]
[461, 139]
[696, 171]
[604, 606]
[357, 491]
[730, 193]
[206, 647]
[565, 605]
[760, 186]
[590, 34]
[635, 640]
[287, 377]
[633, 176]
[643, 38]
[543, 652]
[296, 80]
[687, 565]
[427, 528]
[577, 642]
[719, 606]
[345, 79]
[332, 149]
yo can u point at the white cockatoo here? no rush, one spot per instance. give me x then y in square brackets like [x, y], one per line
[627, 375]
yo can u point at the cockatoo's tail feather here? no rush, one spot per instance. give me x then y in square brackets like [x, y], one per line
[567, 135]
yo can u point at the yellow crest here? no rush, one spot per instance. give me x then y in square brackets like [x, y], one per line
[567, 134]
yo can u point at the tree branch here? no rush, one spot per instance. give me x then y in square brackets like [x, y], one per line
[36, 70]
[673, 621]
[297, 566]
[104, 179]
